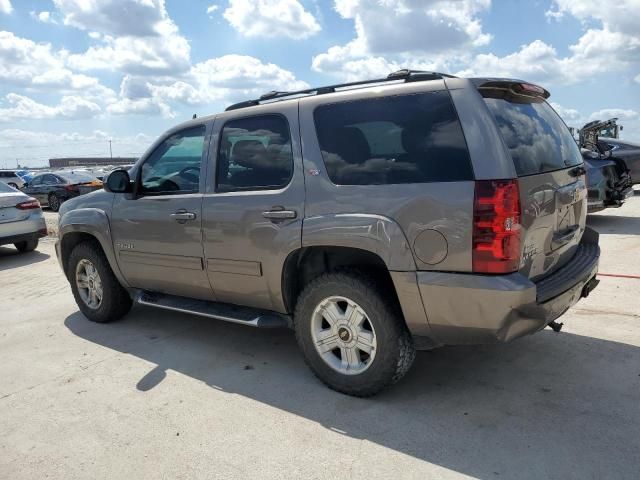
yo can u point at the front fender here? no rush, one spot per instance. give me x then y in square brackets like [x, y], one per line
[95, 222]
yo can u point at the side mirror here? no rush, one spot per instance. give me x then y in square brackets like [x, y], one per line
[118, 181]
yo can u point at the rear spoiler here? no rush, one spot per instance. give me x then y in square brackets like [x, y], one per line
[514, 86]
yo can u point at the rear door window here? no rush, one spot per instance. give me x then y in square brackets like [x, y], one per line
[535, 135]
[400, 139]
[254, 154]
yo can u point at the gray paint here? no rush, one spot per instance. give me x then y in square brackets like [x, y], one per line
[231, 253]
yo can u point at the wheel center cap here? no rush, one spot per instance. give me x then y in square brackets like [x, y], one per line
[344, 334]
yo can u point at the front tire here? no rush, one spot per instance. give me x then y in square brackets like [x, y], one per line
[95, 288]
[352, 335]
[26, 246]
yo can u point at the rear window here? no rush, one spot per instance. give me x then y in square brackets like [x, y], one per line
[535, 135]
[401, 139]
[4, 188]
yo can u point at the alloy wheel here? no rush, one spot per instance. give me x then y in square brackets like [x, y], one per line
[343, 335]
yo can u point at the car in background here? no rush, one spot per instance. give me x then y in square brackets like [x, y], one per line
[25, 175]
[11, 178]
[52, 189]
[21, 219]
[629, 152]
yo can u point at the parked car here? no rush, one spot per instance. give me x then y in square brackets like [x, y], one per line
[25, 175]
[11, 178]
[375, 218]
[629, 152]
[52, 189]
[21, 219]
[608, 177]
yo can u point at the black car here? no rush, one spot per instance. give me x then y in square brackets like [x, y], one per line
[54, 188]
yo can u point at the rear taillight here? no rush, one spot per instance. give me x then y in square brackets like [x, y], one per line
[496, 227]
[28, 205]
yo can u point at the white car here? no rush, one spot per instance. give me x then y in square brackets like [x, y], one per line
[11, 178]
[21, 219]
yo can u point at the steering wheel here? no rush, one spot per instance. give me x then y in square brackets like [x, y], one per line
[194, 178]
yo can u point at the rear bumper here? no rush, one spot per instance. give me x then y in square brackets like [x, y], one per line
[476, 309]
[31, 228]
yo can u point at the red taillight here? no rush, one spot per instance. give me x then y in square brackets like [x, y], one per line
[496, 227]
[28, 205]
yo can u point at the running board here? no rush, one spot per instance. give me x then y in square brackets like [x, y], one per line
[220, 311]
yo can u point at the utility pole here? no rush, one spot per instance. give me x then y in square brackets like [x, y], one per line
[110, 151]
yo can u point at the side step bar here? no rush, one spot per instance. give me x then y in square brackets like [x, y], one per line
[220, 311]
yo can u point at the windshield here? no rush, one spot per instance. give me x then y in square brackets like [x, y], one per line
[536, 136]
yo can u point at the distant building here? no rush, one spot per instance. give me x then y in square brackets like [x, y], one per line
[89, 161]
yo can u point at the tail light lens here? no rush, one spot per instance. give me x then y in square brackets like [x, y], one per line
[30, 204]
[496, 227]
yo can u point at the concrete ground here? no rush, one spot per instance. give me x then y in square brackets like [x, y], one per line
[164, 395]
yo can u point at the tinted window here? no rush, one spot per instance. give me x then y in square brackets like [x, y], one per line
[174, 167]
[402, 139]
[255, 154]
[537, 138]
[49, 179]
[36, 181]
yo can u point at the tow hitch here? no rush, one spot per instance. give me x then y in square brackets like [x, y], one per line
[588, 288]
[555, 326]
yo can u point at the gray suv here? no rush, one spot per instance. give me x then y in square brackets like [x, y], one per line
[374, 218]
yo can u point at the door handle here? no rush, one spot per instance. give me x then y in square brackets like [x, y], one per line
[183, 216]
[279, 214]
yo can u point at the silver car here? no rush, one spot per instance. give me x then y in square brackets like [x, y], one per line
[21, 219]
[11, 178]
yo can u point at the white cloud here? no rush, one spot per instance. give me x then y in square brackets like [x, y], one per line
[569, 115]
[211, 9]
[399, 33]
[25, 63]
[25, 108]
[271, 18]
[44, 17]
[218, 80]
[134, 36]
[621, 113]
[637, 78]
[5, 7]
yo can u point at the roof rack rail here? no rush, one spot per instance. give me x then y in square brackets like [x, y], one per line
[405, 74]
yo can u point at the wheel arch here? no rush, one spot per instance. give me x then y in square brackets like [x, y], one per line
[87, 224]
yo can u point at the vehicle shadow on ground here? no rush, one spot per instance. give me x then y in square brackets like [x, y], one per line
[614, 224]
[12, 258]
[550, 405]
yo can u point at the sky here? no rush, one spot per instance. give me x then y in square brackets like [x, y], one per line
[75, 74]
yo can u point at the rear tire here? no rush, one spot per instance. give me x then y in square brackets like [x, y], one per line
[113, 302]
[352, 295]
[54, 202]
[26, 246]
